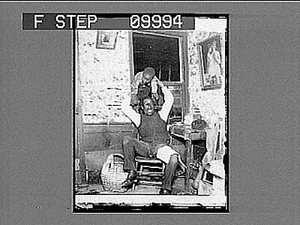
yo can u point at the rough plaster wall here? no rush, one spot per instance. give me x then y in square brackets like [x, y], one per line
[210, 101]
[105, 78]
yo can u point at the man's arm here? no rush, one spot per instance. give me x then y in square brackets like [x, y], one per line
[169, 100]
[135, 84]
[134, 88]
[130, 113]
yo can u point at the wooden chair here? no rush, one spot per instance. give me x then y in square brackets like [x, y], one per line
[150, 171]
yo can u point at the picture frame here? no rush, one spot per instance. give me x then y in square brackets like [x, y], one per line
[106, 39]
[210, 63]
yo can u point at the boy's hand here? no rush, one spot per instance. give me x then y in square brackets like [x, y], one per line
[155, 96]
[160, 83]
[160, 101]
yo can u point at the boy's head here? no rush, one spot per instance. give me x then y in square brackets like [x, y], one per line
[148, 75]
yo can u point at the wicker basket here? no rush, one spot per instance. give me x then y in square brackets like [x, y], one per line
[112, 173]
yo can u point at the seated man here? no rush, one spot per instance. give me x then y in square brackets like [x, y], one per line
[154, 140]
[145, 84]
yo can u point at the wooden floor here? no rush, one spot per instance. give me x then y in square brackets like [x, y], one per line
[178, 189]
[144, 196]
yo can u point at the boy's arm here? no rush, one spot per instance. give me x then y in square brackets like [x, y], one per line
[169, 100]
[154, 84]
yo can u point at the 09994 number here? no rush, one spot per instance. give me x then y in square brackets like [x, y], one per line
[155, 21]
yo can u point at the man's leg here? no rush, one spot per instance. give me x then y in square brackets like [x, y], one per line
[169, 175]
[131, 148]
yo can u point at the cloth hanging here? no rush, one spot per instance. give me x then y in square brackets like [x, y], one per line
[214, 133]
[212, 140]
[166, 152]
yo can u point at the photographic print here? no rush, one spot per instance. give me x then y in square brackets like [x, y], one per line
[150, 117]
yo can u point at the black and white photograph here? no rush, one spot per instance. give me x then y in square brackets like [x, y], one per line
[150, 136]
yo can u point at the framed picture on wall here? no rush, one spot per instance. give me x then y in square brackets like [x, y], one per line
[210, 63]
[106, 39]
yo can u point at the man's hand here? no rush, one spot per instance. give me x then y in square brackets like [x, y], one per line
[136, 108]
[134, 101]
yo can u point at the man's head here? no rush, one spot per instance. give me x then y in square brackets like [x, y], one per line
[148, 75]
[148, 106]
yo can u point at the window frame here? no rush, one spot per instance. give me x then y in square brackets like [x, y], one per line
[183, 54]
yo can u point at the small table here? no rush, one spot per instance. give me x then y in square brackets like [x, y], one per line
[188, 135]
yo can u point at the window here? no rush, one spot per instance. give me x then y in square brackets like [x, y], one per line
[158, 51]
[167, 54]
